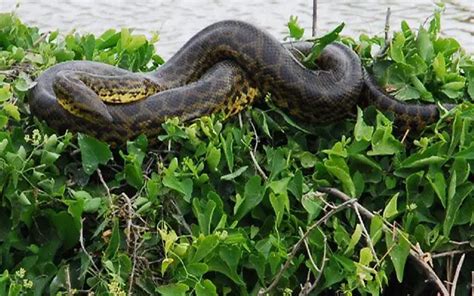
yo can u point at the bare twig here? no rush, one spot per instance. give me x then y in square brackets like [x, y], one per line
[40, 39]
[451, 253]
[308, 250]
[432, 276]
[367, 235]
[81, 242]
[308, 289]
[107, 189]
[298, 244]
[387, 25]
[315, 17]
[254, 152]
[132, 274]
[472, 283]
[456, 275]
[130, 214]
[386, 35]
[405, 135]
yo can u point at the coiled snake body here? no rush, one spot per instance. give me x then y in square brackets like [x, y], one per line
[226, 66]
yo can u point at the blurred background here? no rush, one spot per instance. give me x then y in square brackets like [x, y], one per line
[176, 21]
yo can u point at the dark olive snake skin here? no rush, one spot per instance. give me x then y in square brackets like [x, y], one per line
[226, 66]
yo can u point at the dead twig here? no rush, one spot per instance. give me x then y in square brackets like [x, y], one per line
[386, 45]
[308, 289]
[432, 276]
[298, 244]
[456, 275]
[315, 18]
[107, 189]
[83, 247]
[254, 152]
[450, 253]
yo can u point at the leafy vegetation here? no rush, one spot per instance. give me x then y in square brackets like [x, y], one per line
[237, 207]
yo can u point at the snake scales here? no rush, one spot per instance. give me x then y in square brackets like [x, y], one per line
[226, 66]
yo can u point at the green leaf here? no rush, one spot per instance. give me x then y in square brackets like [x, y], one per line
[279, 202]
[280, 186]
[213, 157]
[399, 252]
[355, 238]
[5, 93]
[227, 144]
[11, 110]
[178, 289]
[235, 174]
[376, 229]
[308, 159]
[205, 288]
[339, 169]
[93, 153]
[436, 178]
[456, 197]
[185, 186]
[296, 31]
[114, 243]
[396, 48]
[321, 42]
[205, 246]
[424, 45]
[134, 175]
[361, 130]
[253, 195]
[391, 210]
[439, 67]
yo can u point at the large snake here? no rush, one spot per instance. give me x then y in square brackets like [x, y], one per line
[226, 66]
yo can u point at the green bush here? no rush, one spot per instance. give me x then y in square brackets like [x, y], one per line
[219, 207]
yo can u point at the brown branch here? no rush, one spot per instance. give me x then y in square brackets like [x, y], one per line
[298, 244]
[432, 276]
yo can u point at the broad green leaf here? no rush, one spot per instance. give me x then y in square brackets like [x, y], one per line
[11, 110]
[5, 93]
[456, 197]
[213, 157]
[185, 186]
[362, 131]
[205, 288]
[279, 202]
[400, 248]
[205, 246]
[339, 169]
[93, 153]
[376, 229]
[177, 289]
[253, 195]
[439, 67]
[114, 242]
[391, 210]
[235, 174]
[436, 178]
[280, 186]
[424, 45]
[296, 31]
[355, 238]
[396, 48]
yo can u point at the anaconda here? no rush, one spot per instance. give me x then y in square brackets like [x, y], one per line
[226, 66]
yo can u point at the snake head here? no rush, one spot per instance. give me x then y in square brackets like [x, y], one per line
[78, 99]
